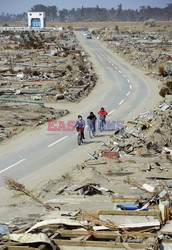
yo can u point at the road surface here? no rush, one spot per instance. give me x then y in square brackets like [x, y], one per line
[120, 90]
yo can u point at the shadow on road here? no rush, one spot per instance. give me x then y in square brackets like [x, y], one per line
[89, 142]
[102, 135]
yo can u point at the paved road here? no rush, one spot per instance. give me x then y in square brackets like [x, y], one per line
[120, 92]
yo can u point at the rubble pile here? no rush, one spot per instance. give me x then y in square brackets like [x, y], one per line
[132, 223]
[45, 65]
[15, 118]
[149, 51]
[150, 133]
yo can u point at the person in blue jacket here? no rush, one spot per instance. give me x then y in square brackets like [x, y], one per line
[80, 125]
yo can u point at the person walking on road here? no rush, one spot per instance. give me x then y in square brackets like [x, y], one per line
[102, 117]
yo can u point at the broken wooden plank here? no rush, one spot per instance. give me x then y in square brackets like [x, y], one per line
[102, 244]
[98, 235]
[167, 240]
[152, 224]
[122, 199]
[159, 177]
[95, 163]
[101, 234]
[128, 212]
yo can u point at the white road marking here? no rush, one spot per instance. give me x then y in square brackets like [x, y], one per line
[111, 111]
[57, 141]
[130, 87]
[13, 165]
[128, 93]
[121, 102]
[128, 80]
[112, 64]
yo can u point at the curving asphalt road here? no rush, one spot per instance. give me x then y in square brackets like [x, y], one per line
[120, 91]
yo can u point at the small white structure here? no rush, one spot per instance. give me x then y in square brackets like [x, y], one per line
[36, 19]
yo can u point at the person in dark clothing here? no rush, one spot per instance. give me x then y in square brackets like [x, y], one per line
[91, 119]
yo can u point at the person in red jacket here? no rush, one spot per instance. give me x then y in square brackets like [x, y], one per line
[102, 117]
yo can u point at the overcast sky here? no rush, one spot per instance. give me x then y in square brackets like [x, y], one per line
[19, 6]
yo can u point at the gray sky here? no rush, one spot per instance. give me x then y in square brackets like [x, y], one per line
[19, 6]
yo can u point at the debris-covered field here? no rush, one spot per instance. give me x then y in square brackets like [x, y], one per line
[15, 118]
[147, 46]
[46, 66]
[36, 68]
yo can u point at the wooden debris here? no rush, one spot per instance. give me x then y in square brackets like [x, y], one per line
[99, 230]
[102, 244]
